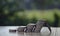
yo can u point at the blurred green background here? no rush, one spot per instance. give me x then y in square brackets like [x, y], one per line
[18, 12]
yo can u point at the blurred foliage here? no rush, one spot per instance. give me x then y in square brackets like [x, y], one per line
[7, 9]
[23, 18]
[56, 21]
[12, 13]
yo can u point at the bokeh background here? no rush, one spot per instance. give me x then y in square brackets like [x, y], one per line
[22, 12]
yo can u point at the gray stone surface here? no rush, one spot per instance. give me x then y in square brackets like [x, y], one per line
[4, 31]
[57, 31]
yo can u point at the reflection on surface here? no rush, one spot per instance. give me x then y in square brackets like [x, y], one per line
[33, 34]
[4, 31]
[36, 34]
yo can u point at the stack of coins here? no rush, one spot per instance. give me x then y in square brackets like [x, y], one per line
[30, 27]
[39, 25]
[12, 30]
[21, 28]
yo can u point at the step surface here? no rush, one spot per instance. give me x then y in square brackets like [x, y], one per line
[4, 31]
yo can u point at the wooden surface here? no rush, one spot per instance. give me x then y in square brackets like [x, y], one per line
[4, 31]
